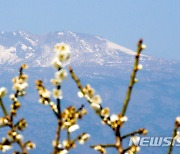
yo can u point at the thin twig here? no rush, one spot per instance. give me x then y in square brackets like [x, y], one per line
[58, 130]
[118, 140]
[133, 76]
[176, 126]
[139, 131]
[68, 136]
[3, 108]
[1, 126]
[22, 146]
[57, 137]
[16, 95]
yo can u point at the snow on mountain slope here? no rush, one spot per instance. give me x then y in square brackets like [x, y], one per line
[114, 46]
[8, 55]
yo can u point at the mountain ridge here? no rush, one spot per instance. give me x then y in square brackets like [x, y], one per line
[89, 51]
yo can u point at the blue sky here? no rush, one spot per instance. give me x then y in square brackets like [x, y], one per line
[121, 21]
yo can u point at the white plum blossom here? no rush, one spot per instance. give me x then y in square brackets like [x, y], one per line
[124, 119]
[177, 138]
[80, 94]
[96, 99]
[114, 117]
[73, 128]
[61, 75]
[178, 120]
[56, 63]
[140, 66]
[57, 93]
[95, 106]
[3, 92]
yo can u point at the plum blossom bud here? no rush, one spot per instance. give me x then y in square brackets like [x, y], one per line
[80, 94]
[56, 82]
[13, 98]
[135, 80]
[139, 67]
[124, 119]
[56, 63]
[73, 128]
[46, 93]
[178, 120]
[24, 66]
[177, 138]
[5, 148]
[95, 106]
[63, 152]
[83, 138]
[30, 145]
[143, 46]
[100, 149]
[63, 56]
[19, 137]
[114, 117]
[3, 92]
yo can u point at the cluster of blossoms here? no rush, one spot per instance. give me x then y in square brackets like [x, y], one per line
[43, 93]
[70, 116]
[115, 121]
[68, 144]
[15, 105]
[13, 135]
[95, 101]
[20, 82]
[5, 145]
[62, 56]
[89, 93]
[67, 120]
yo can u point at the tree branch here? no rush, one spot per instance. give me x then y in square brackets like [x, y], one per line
[133, 76]
[3, 108]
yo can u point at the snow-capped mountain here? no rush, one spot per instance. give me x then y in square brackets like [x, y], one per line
[38, 50]
[22, 47]
[155, 100]
[87, 50]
